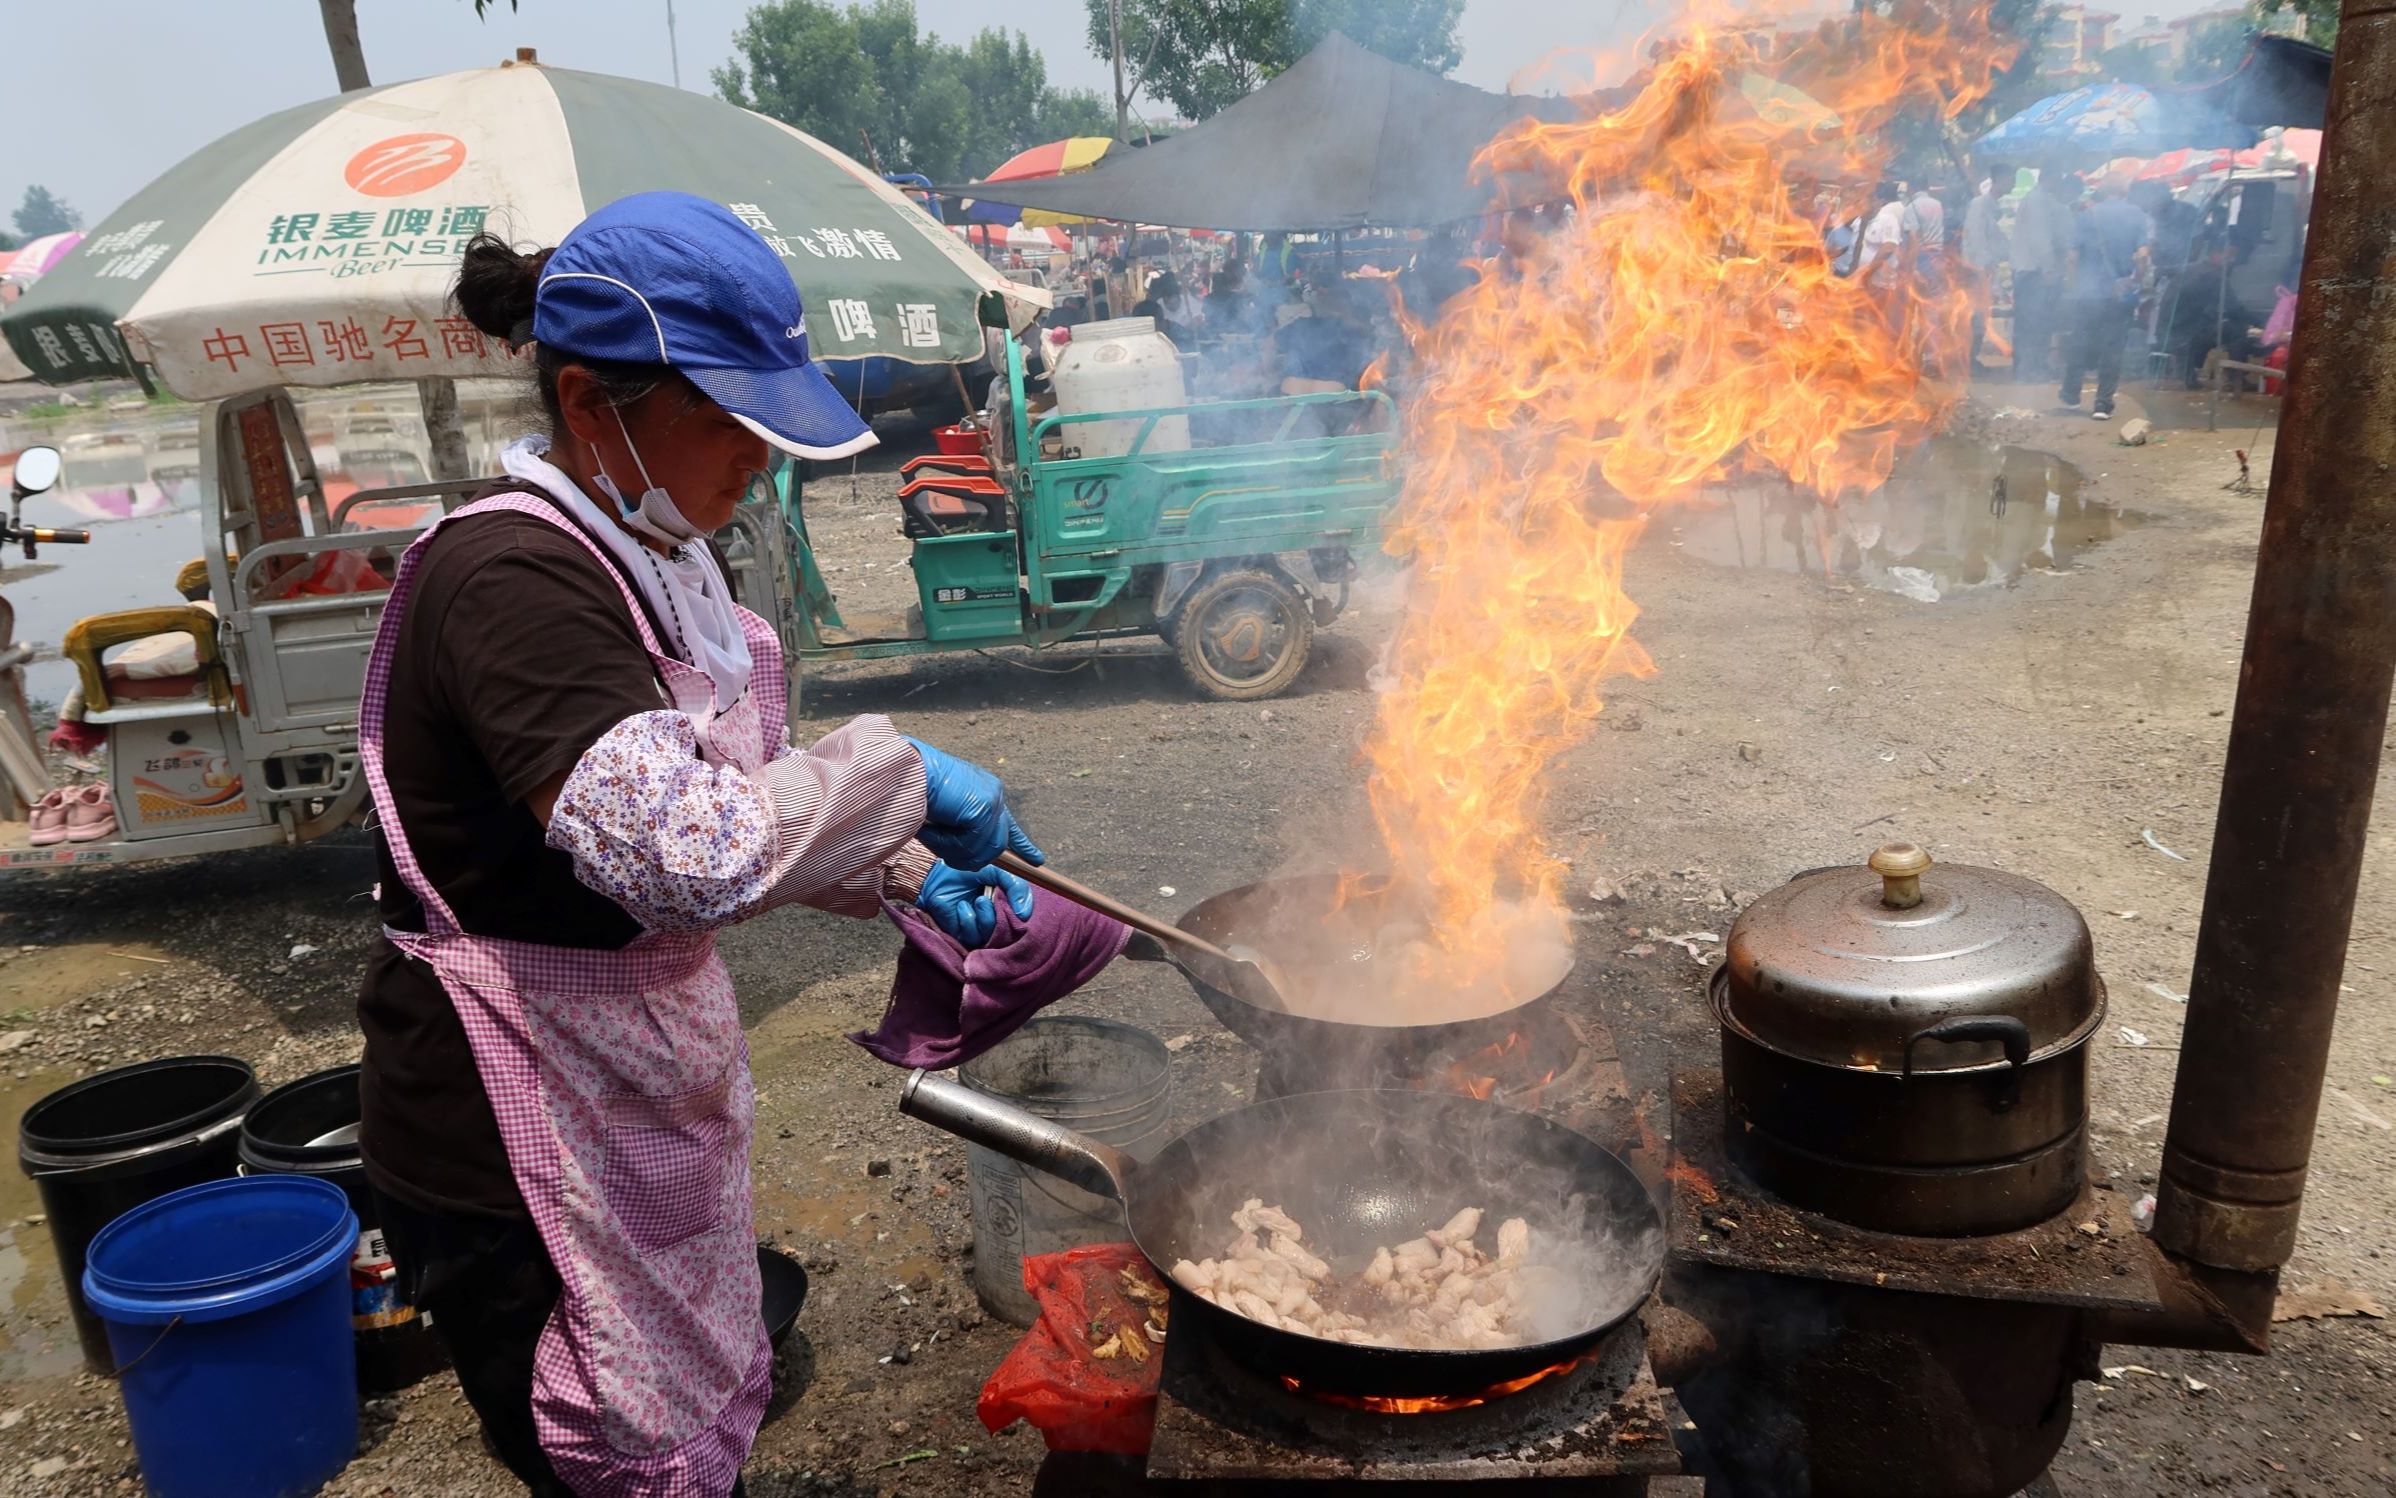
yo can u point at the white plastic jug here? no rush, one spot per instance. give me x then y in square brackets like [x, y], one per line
[1122, 365]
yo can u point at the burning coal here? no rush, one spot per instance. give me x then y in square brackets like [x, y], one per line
[1676, 321]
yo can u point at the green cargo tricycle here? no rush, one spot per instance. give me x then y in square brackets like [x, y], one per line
[1233, 549]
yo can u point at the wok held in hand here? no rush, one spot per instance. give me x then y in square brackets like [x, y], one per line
[966, 821]
[959, 901]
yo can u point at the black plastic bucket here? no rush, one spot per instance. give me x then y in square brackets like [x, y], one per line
[310, 1127]
[100, 1147]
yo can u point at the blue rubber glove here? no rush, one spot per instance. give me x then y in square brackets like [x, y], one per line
[959, 903]
[966, 822]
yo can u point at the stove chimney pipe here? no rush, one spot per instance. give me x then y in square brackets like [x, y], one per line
[2312, 713]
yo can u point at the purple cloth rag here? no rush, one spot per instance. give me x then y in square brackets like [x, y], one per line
[948, 1004]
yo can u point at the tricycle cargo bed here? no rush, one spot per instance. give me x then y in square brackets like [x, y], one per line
[1211, 501]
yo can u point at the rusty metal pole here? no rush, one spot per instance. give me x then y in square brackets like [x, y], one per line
[2312, 712]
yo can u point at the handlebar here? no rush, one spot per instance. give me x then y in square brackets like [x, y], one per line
[34, 537]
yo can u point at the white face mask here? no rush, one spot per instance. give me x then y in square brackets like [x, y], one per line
[656, 517]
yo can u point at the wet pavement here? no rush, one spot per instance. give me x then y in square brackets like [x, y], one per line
[1957, 518]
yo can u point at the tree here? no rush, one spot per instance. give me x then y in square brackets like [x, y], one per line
[2320, 17]
[800, 61]
[2214, 50]
[868, 81]
[1202, 56]
[45, 212]
[1075, 111]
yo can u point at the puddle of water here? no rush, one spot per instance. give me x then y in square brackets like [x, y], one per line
[1956, 518]
[37, 1340]
[48, 976]
[130, 564]
[132, 479]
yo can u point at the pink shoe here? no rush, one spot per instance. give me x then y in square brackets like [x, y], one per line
[90, 814]
[50, 818]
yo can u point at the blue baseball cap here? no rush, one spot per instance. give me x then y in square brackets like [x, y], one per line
[668, 278]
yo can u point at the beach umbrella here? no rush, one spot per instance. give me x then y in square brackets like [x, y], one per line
[1787, 107]
[30, 260]
[2110, 120]
[1076, 153]
[1024, 237]
[317, 246]
[2287, 148]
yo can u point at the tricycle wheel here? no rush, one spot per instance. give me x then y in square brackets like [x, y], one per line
[1243, 635]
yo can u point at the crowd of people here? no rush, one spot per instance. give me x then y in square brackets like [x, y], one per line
[2068, 275]
[2088, 269]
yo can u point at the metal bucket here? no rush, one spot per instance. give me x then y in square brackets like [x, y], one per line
[1107, 1080]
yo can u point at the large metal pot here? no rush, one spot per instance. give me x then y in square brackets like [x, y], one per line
[1906, 1049]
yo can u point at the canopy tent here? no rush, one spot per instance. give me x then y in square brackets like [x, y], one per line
[1352, 140]
[2281, 81]
[2106, 120]
[1075, 153]
[317, 246]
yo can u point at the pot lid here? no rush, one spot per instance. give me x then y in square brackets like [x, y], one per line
[1850, 966]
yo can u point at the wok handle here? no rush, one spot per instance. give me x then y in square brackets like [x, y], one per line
[1106, 905]
[1044, 1144]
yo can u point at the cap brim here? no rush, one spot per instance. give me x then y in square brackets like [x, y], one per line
[796, 410]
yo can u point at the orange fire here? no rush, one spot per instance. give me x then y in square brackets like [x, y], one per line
[1680, 323]
[1478, 1074]
[1433, 1404]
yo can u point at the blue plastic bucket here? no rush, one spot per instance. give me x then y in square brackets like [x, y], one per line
[227, 1308]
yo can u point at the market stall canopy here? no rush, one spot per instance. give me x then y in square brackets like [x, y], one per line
[2281, 81]
[2106, 120]
[1075, 153]
[2283, 148]
[317, 246]
[34, 258]
[1346, 139]
[1014, 237]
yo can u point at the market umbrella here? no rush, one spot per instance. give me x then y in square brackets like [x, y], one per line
[36, 256]
[1075, 153]
[1788, 107]
[2284, 148]
[2108, 120]
[1015, 237]
[317, 246]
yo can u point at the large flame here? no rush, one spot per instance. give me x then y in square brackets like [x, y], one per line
[1679, 324]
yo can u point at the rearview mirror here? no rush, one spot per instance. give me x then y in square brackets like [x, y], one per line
[37, 469]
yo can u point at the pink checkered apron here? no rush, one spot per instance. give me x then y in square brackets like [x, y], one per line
[621, 1083]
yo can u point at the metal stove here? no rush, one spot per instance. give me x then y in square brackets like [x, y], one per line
[1600, 1429]
[1554, 1065]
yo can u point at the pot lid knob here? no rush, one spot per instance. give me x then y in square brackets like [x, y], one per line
[1900, 867]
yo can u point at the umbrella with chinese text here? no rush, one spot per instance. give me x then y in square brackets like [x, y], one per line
[317, 246]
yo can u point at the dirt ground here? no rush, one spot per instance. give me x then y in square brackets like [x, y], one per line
[2045, 721]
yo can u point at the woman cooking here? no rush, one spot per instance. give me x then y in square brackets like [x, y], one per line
[580, 769]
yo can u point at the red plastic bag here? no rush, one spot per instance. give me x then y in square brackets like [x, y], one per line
[1079, 1401]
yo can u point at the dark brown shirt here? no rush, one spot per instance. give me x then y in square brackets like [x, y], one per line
[515, 655]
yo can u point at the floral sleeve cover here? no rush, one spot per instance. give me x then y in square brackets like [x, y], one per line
[684, 845]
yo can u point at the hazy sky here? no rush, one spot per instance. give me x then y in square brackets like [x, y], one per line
[104, 95]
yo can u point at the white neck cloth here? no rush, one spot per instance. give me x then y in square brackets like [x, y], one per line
[686, 590]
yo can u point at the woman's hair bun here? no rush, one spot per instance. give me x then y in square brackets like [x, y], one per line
[497, 284]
